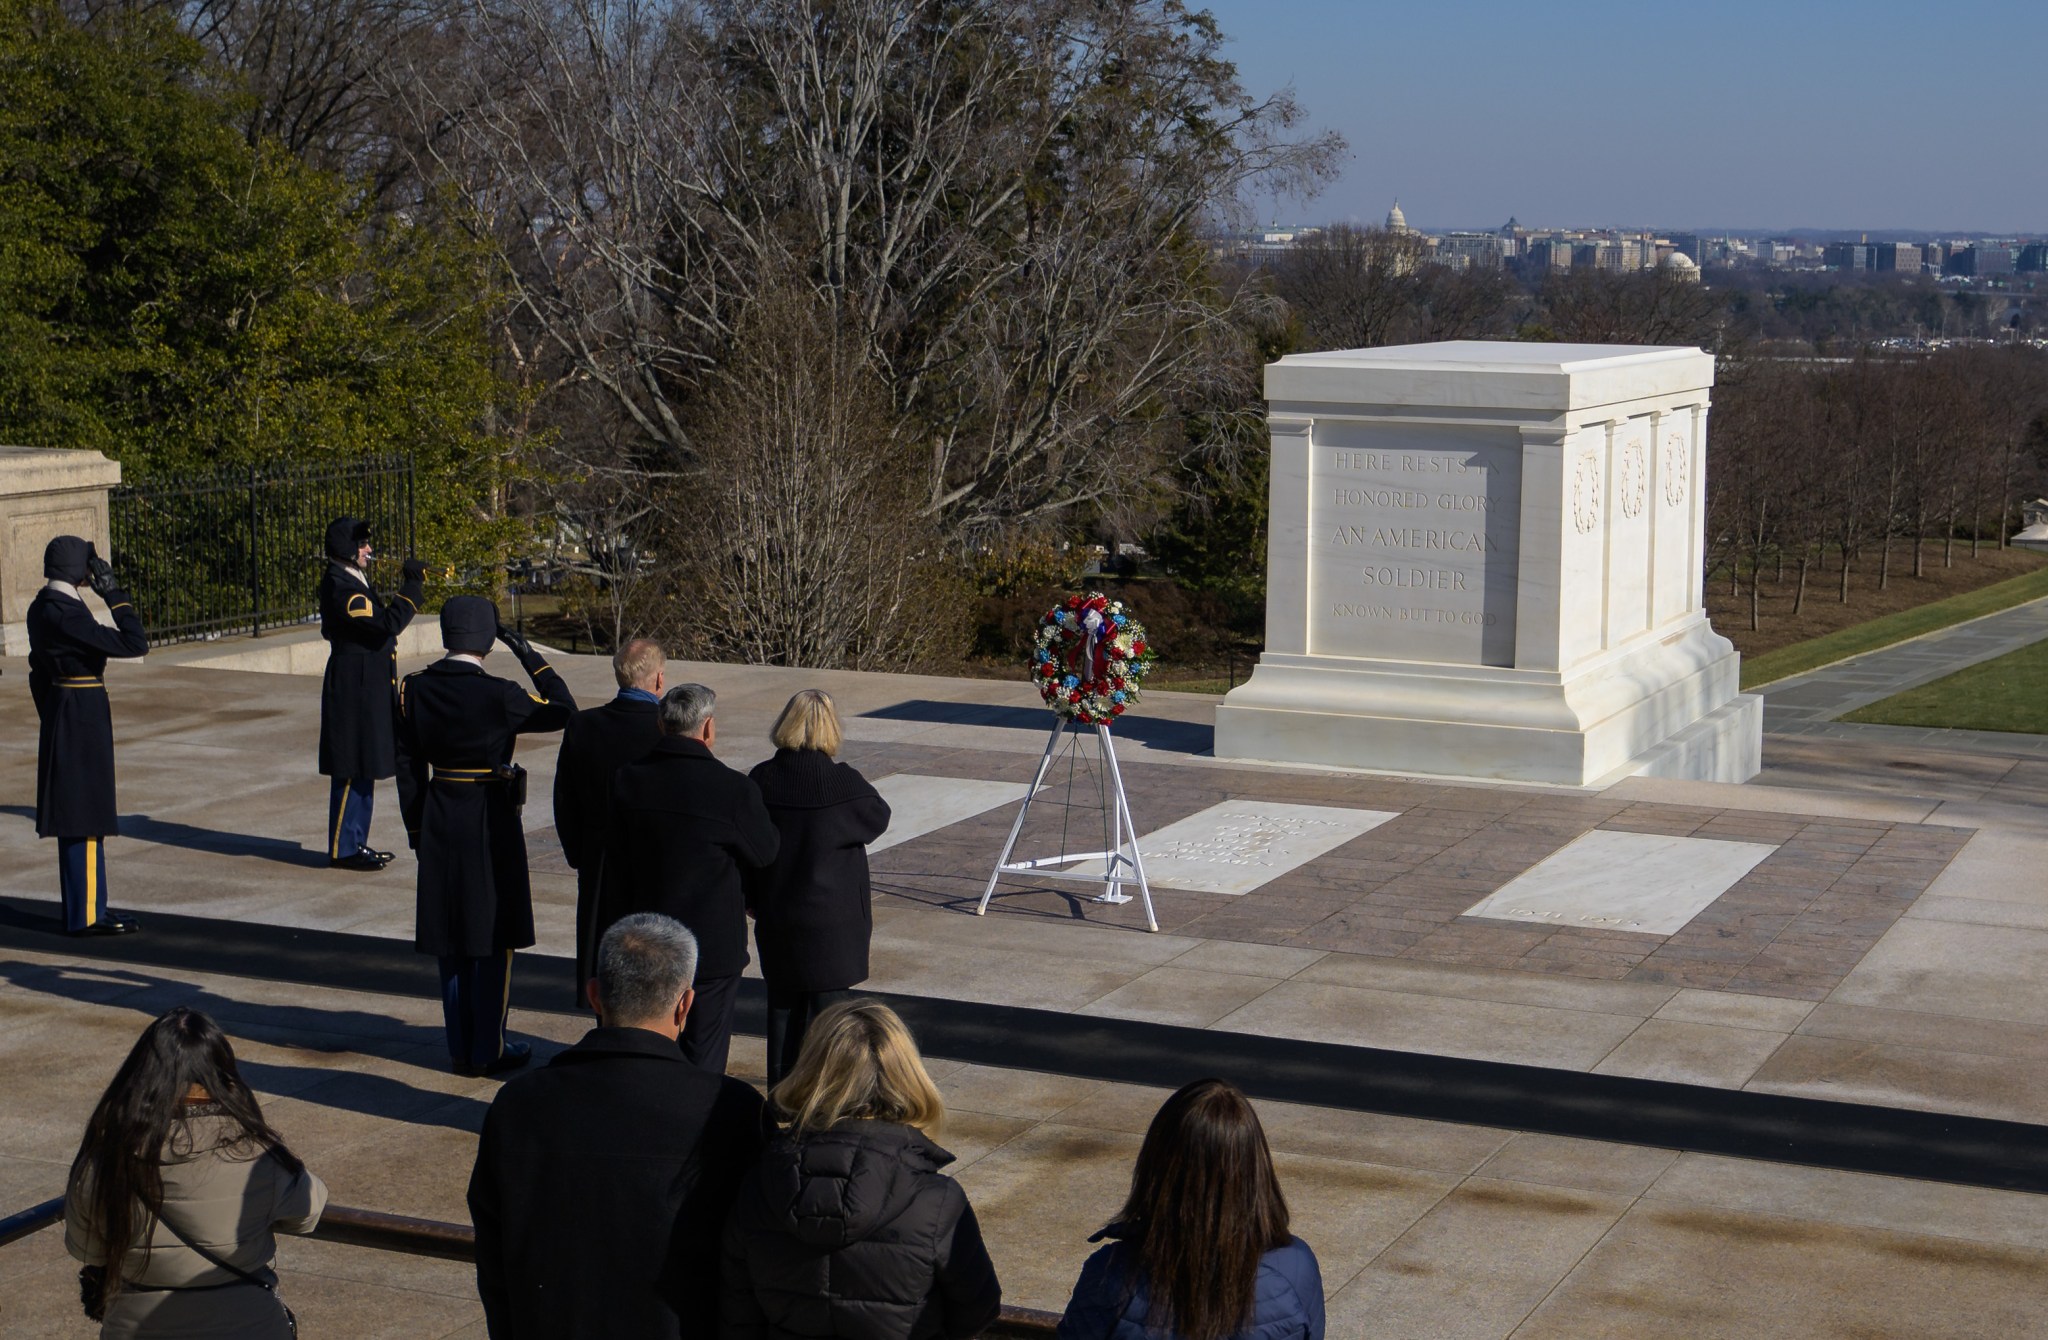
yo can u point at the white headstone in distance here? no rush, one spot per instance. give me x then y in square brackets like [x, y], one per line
[1484, 560]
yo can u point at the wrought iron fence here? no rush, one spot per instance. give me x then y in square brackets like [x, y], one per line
[241, 550]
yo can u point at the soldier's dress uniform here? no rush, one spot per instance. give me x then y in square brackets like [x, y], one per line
[455, 733]
[360, 687]
[67, 659]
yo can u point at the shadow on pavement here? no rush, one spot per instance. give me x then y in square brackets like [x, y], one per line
[305, 1027]
[165, 833]
[1179, 737]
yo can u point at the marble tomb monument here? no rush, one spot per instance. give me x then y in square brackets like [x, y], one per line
[1484, 560]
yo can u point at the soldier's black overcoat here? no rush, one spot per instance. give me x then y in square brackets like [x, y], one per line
[67, 658]
[474, 899]
[362, 672]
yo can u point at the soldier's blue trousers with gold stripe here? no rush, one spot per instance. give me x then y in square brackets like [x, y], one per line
[82, 881]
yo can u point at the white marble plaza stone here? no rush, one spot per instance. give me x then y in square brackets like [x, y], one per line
[920, 804]
[1484, 560]
[1239, 845]
[1643, 882]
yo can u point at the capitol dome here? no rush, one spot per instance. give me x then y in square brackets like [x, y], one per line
[1397, 222]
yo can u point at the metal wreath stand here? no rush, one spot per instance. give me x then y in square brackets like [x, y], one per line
[1119, 835]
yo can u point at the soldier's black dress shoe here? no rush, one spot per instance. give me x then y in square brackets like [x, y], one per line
[362, 860]
[109, 926]
[516, 1054]
[384, 856]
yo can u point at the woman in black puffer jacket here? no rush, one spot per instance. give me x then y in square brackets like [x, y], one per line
[848, 1230]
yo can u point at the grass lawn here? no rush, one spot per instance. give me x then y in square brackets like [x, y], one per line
[2009, 693]
[1910, 623]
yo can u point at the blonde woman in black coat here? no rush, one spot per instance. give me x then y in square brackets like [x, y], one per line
[811, 908]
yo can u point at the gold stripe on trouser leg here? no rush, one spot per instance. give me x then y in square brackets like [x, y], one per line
[92, 881]
[505, 1003]
[340, 817]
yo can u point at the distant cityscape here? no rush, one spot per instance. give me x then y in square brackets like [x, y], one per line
[1986, 261]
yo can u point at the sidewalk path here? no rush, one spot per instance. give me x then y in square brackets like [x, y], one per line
[1809, 704]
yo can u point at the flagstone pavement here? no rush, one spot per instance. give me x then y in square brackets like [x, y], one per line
[1889, 946]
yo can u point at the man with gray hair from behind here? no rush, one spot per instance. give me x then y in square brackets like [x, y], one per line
[685, 830]
[603, 1180]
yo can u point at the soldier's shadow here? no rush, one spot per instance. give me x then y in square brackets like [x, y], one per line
[188, 837]
[329, 1055]
[166, 833]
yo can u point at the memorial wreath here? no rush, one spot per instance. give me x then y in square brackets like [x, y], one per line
[1088, 658]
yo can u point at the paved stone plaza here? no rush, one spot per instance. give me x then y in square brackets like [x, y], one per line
[1858, 932]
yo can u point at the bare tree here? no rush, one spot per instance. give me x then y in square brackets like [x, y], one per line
[1350, 288]
[808, 546]
[1645, 307]
[998, 198]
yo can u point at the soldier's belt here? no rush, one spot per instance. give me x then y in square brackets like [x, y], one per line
[81, 682]
[510, 775]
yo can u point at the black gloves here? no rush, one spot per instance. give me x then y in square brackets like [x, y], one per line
[415, 569]
[101, 574]
[516, 643]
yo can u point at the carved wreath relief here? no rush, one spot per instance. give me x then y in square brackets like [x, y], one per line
[1586, 493]
[1634, 483]
[1677, 459]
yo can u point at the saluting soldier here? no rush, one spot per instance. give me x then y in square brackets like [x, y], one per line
[461, 794]
[67, 662]
[360, 687]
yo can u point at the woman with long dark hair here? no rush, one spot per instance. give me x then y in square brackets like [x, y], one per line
[1201, 1250]
[177, 1190]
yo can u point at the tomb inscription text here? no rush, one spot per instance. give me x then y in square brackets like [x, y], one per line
[1414, 544]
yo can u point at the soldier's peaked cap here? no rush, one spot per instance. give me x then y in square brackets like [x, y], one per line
[469, 623]
[64, 559]
[345, 535]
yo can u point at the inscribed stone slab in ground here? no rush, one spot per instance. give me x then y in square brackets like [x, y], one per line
[1241, 844]
[1647, 882]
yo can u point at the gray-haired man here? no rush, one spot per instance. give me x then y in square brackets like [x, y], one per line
[684, 828]
[603, 1180]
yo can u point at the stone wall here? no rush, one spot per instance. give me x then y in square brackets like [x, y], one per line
[44, 492]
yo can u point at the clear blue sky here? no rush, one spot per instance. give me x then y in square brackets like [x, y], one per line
[1714, 113]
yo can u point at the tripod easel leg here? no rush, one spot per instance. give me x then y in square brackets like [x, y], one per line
[1128, 827]
[1009, 844]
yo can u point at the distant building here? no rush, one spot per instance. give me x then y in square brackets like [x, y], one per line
[1483, 251]
[1397, 222]
[1897, 257]
[2033, 258]
[1545, 254]
[1849, 256]
[1680, 266]
[1597, 256]
[1978, 261]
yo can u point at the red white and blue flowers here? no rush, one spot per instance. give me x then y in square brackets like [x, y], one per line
[1088, 658]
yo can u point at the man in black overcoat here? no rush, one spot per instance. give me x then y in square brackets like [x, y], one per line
[603, 1180]
[461, 796]
[67, 662]
[598, 742]
[361, 684]
[684, 829]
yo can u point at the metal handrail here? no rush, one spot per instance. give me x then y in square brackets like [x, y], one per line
[33, 1219]
[352, 1227]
